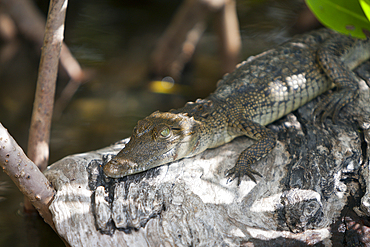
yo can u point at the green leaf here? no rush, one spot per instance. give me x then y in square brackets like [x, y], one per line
[365, 4]
[344, 16]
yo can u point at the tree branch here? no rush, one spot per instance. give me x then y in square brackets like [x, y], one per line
[25, 174]
[38, 140]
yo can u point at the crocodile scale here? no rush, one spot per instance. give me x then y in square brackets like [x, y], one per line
[261, 90]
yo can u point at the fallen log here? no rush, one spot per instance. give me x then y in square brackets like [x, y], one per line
[315, 174]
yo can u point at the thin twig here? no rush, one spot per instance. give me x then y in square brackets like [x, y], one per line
[78, 77]
[38, 142]
[227, 26]
[174, 48]
[177, 45]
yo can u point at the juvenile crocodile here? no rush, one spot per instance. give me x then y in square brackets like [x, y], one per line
[261, 90]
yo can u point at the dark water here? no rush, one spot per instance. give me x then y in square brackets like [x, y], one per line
[115, 40]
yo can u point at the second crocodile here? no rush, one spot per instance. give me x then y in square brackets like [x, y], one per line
[261, 90]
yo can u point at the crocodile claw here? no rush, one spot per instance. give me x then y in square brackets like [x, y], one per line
[239, 171]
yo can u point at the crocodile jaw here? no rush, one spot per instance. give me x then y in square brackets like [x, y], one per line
[148, 148]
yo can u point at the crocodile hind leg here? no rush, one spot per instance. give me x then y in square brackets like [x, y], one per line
[266, 141]
[364, 72]
[329, 57]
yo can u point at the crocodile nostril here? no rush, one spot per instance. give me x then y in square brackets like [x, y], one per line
[111, 169]
[121, 168]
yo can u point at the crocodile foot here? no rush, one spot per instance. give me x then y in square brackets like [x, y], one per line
[238, 171]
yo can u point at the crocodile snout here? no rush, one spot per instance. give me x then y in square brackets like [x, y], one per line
[119, 168]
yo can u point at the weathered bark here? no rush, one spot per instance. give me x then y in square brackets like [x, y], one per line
[308, 182]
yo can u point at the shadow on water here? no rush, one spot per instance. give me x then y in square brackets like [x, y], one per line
[115, 40]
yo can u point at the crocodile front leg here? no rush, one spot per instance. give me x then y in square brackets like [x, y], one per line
[266, 141]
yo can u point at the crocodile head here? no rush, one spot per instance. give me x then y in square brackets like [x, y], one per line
[160, 138]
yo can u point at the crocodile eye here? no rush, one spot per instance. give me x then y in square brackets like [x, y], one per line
[165, 132]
